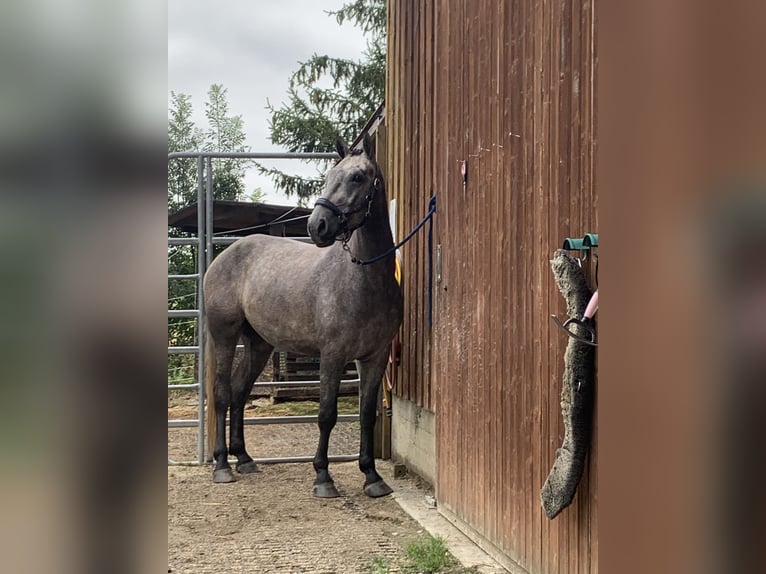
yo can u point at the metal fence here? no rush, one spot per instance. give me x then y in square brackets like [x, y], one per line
[205, 241]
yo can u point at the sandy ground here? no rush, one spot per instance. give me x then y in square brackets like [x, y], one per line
[269, 522]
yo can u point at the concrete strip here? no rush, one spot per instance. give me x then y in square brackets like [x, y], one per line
[413, 501]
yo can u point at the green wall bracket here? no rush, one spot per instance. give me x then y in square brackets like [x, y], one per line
[581, 243]
[573, 244]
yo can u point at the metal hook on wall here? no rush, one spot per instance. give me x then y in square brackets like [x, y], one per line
[587, 332]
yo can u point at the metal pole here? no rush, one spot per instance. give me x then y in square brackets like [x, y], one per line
[181, 313]
[189, 387]
[209, 214]
[183, 350]
[284, 420]
[314, 383]
[251, 155]
[278, 460]
[293, 459]
[208, 242]
[201, 260]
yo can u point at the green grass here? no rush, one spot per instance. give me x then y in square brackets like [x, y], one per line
[427, 555]
[378, 565]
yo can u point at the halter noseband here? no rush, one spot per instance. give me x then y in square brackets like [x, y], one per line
[345, 230]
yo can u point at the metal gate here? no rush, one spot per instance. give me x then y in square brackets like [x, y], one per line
[205, 242]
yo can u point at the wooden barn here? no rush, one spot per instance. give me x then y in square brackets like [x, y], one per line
[502, 90]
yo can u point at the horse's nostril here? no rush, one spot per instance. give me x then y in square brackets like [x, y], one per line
[321, 227]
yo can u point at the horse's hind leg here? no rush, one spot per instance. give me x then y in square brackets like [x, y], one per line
[257, 353]
[225, 345]
[370, 374]
[330, 372]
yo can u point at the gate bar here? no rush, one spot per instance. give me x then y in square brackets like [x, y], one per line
[274, 460]
[286, 420]
[282, 459]
[193, 349]
[178, 313]
[252, 155]
[225, 240]
[183, 241]
[201, 233]
[183, 350]
[282, 384]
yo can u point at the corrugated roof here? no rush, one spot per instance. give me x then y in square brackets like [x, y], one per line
[246, 218]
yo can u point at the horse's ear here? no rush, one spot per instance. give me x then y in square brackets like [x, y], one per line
[368, 146]
[340, 147]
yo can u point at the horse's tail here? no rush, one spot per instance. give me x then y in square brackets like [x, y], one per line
[211, 419]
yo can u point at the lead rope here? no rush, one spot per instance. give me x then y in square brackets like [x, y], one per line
[410, 235]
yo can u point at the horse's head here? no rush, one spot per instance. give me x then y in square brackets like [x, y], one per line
[350, 188]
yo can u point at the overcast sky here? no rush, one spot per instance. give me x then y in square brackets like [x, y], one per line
[251, 48]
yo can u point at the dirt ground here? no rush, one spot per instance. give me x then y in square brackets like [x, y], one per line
[269, 522]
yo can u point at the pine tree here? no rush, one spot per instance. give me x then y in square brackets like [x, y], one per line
[314, 115]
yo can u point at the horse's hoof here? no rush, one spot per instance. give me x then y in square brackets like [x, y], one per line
[326, 490]
[247, 467]
[223, 475]
[377, 489]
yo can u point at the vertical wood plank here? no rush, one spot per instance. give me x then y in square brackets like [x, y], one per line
[464, 79]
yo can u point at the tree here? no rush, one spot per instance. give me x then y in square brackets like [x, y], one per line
[224, 133]
[183, 135]
[257, 196]
[330, 96]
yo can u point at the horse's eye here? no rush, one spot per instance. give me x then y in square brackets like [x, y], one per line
[357, 178]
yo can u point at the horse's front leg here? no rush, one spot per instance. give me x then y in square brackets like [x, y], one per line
[370, 374]
[330, 373]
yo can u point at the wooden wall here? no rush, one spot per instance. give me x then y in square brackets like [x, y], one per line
[509, 87]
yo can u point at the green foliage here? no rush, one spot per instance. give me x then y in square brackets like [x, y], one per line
[428, 555]
[224, 132]
[378, 565]
[257, 195]
[330, 96]
[183, 135]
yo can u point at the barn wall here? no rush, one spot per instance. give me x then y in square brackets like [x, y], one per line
[509, 87]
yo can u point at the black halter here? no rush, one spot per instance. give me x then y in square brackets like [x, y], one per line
[345, 230]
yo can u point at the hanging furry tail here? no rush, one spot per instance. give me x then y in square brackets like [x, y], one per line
[210, 419]
[577, 392]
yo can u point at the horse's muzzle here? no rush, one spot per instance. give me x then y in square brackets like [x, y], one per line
[322, 229]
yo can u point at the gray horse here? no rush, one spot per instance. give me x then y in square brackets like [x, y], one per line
[277, 293]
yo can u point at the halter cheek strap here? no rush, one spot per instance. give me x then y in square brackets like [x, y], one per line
[343, 216]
